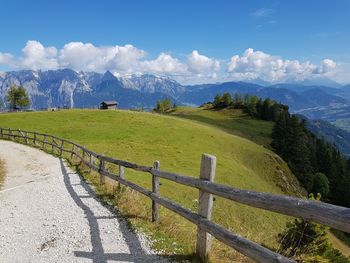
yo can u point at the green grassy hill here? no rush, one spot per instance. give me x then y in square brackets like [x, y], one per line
[178, 144]
[230, 120]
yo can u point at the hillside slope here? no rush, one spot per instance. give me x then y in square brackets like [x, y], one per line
[178, 145]
[230, 120]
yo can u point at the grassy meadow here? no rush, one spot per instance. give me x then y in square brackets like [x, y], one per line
[232, 121]
[178, 144]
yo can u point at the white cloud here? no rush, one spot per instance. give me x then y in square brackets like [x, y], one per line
[126, 58]
[196, 68]
[164, 63]
[87, 57]
[340, 74]
[5, 59]
[259, 65]
[327, 66]
[198, 63]
[36, 56]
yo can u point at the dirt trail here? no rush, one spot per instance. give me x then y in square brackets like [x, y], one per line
[48, 214]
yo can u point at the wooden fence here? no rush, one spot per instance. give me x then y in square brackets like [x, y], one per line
[333, 216]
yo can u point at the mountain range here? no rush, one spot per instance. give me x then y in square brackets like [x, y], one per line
[68, 88]
[65, 87]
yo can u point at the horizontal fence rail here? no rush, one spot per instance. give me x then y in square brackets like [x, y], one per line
[330, 215]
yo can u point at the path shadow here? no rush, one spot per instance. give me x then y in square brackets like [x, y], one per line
[98, 255]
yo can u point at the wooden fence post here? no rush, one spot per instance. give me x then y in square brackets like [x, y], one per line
[155, 189]
[61, 147]
[34, 138]
[1, 132]
[90, 163]
[121, 175]
[207, 173]
[52, 144]
[44, 142]
[102, 168]
[27, 140]
[71, 156]
[83, 154]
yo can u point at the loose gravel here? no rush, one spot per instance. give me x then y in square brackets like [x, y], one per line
[49, 214]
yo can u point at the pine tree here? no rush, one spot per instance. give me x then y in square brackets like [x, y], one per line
[259, 106]
[320, 184]
[251, 102]
[297, 152]
[265, 115]
[279, 136]
[238, 100]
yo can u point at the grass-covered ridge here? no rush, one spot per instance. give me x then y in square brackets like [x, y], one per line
[231, 120]
[178, 145]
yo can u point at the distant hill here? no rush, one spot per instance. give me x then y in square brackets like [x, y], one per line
[320, 97]
[331, 133]
[295, 96]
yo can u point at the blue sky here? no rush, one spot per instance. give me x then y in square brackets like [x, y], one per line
[304, 31]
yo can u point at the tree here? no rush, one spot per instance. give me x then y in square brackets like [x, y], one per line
[279, 136]
[298, 152]
[167, 104]
[238, 101]
[320, 184]
[217, 101]
[17, 97]
[163, 106]
[265, 115]
[226, 99]
[251, 102]
[159, 107]
[259, 106]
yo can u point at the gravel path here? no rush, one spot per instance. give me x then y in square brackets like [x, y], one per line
[48, 214]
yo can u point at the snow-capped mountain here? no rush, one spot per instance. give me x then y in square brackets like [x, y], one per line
[65, 87]
[152, 84]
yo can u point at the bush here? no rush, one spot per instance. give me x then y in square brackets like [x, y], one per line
[304, 241]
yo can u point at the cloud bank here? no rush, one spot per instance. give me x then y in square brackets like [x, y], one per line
[253, 65]
[195, 68]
